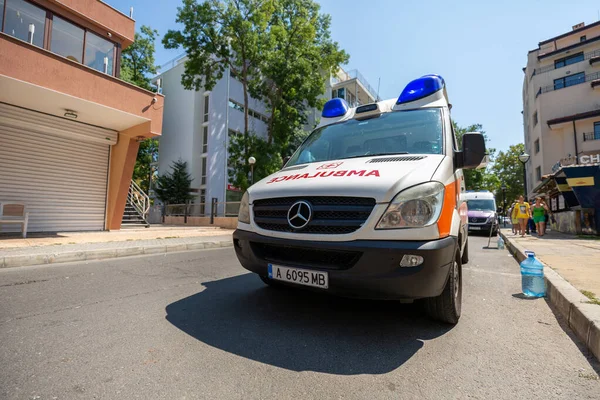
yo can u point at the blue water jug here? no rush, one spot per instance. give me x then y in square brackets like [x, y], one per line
[532, 276]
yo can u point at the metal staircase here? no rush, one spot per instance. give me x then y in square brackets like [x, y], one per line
[136, 208]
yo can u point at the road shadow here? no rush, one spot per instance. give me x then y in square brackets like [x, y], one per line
[303, 331]
[521, 296]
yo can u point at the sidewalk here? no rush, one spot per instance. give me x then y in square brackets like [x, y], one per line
[578, 261]
[575, 259]
[85, 246]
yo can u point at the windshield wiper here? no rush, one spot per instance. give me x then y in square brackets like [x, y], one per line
[375, 155]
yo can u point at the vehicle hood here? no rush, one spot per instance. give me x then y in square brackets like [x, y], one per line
[480, 213]
[380, 177]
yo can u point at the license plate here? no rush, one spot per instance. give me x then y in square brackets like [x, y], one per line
[475, 228]
[299, 276]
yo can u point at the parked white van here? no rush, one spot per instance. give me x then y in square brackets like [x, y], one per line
[369, 205]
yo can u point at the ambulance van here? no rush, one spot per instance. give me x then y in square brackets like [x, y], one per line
[369, 205]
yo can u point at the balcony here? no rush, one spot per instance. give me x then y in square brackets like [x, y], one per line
[343, 76]
[592, 56]
[587, 78]
[37, 79]
[589, 136]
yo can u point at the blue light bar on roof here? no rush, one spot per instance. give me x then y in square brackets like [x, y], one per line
[335, 108]
[422, 87]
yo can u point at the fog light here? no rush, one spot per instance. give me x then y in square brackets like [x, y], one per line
[410, 260]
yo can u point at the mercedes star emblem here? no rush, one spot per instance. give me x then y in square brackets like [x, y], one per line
[299, 214]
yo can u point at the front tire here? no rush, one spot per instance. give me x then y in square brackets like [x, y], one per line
[447, 306]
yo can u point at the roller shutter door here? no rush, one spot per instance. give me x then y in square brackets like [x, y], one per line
[62, 179]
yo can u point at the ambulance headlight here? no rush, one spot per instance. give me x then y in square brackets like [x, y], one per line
[414, 207]
[244, 213]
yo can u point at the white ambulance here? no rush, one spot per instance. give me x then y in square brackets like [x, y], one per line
[369, 205]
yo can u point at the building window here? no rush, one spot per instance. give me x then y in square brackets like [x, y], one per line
[25, 21]
[1, 13]
[593, 135]
[536, 146]
[205, 139]
[67, 39]
[254, 114]
[99, 53]
[538, 173]
[535, 118]
[206, 106]
[236, 106]
[563, 62]
[202, 201]
[570, 80]
[203, 171]
[583, 38]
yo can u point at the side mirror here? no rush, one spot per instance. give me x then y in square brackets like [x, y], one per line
[285, 160]
[473, 152]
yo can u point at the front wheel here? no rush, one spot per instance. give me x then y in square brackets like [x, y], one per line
[447, 306]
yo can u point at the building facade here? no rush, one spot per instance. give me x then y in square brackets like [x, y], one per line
[197, 126]
[561, 102]
[69, 127]
[561, 118]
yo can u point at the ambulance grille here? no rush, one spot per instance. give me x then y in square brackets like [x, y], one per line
[396, 159]
[331, 215]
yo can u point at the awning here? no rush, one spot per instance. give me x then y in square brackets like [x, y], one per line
[558, 122]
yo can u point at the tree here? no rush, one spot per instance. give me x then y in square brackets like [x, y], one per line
[298, 57]
[268, 159]
[137, 60]
[218, 35]
[147, 154]
[477, 179]
[175, 187]
[509, 170]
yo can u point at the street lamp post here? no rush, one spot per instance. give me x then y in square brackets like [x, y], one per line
[503, 187]
[524, 158]
[252, 161]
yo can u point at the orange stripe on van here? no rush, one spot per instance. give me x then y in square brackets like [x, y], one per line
[445, 222]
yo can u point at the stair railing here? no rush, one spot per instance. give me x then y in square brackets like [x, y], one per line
[138, 199]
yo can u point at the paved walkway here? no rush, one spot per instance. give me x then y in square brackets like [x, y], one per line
[575, 259]
[86, 246]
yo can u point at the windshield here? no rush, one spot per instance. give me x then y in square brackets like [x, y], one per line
[401, 132]
[481, 205]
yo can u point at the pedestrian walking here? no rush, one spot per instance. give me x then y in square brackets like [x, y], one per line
[523, 214]
[539, 211]
[513, 217]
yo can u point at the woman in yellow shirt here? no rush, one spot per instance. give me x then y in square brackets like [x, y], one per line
[523, 214]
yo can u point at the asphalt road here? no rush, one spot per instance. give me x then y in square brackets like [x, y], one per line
[196, 325]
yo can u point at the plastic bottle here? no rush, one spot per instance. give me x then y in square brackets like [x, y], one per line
[532, 276]
[500, 243]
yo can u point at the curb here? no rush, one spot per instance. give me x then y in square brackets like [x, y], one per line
[103, 254]
[583, 318]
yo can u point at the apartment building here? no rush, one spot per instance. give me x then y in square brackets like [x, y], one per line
[561, 119]
[561, 102]
[197, 125]
[69, 127]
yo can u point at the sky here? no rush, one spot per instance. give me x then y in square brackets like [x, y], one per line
[479, 47]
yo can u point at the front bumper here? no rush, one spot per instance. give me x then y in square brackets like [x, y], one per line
[480, 227]
[360, 268]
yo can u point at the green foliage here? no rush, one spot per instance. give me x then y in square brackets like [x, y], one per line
[147, 153]
[137, 61]
[268, 159]
[477, 179]
[297, 57]
[175, 187]
[509, 171]
[219, 34]
[280, 50]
